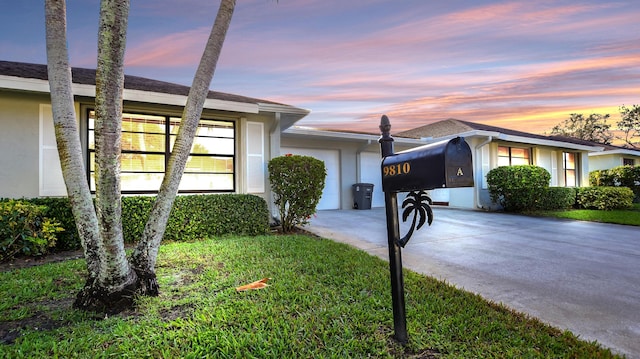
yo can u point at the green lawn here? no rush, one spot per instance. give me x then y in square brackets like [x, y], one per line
[325, 299]
[628, 217]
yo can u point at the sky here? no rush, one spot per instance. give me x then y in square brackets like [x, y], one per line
[523, 65]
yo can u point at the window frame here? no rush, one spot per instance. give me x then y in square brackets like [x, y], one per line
[626, 160]
[567, 170]
[169, 137]
[510, 156]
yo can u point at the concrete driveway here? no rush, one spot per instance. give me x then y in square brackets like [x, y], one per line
[579, 276]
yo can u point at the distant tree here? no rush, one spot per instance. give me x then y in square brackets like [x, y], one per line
[593, 128]
[629, 124]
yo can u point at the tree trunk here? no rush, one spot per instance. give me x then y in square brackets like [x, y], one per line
[116, 283]
[67, 134]
[112, 283]
[146, 253]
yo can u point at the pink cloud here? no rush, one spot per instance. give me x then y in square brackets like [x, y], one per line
[172, 50]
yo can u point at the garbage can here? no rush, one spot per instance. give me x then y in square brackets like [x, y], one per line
[362, 195]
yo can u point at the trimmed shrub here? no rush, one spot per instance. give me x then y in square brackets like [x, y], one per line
[192, 217]
[200, 216]
[558, 198]
[621, 176]
[518, 188]
[297, 183]
[24, 230]
[605, 198]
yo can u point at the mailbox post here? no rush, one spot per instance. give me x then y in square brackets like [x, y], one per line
[443, 164]
[393, 233]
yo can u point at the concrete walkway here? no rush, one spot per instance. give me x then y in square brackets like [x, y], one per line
[579, 276]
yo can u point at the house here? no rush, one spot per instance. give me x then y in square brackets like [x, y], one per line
[236, 138]
[354, 158]
[566, 160]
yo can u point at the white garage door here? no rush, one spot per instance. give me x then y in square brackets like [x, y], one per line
[331, 193]
[370, 173]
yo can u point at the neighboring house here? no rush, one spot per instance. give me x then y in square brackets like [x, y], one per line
[237, 135]
[355, 157]
[613, 156]
[566, 160]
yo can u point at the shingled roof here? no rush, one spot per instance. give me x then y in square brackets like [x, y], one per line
[84, 76]
[452, 127]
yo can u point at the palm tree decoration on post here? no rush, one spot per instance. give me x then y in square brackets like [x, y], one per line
[419, 203]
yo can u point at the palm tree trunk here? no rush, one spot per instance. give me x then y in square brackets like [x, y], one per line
[116, 283]
[67, 134]
[146, 253]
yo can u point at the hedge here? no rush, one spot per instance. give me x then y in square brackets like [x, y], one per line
[621, 176]
[605, 198]
[558, 198]
[518, 188]
[192, 217]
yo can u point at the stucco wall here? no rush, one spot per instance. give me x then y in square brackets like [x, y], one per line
[604, 162]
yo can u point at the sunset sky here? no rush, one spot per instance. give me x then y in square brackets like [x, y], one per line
[524, 65]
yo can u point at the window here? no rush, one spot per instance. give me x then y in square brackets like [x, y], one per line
[628, 162]
[146, 144]
[570, 174]
[511, 156]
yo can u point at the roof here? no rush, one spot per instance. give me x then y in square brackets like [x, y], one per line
[352, 136]
[142, 89]
[607, 149]
[617, 150]
[452, 127]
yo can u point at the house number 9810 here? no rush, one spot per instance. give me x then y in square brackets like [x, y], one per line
[396, 169]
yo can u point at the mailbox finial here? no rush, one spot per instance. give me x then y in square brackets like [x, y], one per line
[385, 125]
[385, 140]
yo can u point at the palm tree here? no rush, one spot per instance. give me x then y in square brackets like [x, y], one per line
[419, 203]
[113, 280]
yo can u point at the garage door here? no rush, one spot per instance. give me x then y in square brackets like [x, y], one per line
[370, 173]
[331, 193]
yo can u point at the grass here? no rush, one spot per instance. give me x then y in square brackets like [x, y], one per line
[629, 217]
[325, 300]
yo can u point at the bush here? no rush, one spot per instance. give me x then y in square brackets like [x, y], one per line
[558, 198]
[518, 188]
[621, 176]
[192, 217]
[605, 198]
[200, 216]
[135, 212]
[24, 230]
[59, 209]
[297, 183]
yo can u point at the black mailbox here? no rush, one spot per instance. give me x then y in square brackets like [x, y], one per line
[443, 164]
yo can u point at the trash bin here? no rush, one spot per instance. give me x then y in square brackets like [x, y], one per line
[362, 195]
